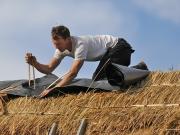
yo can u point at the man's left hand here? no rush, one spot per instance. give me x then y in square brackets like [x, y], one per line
[46, 92]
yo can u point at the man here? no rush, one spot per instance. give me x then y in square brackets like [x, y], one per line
[83, 48]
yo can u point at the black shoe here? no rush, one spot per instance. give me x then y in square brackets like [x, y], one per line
[142, 65]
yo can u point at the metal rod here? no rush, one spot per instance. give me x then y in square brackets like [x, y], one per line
[56, 81]
[34, 79]
[82, 127]
[29, 74]
[53, 129]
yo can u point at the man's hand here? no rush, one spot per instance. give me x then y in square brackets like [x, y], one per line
[30, 59]
[77, 64]
[46, 92]
[43, 68]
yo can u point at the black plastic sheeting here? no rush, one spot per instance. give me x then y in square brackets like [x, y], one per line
[118, 76]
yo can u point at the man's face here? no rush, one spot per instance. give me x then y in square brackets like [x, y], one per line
[60, 43]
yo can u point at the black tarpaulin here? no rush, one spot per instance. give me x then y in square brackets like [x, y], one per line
[117, 77]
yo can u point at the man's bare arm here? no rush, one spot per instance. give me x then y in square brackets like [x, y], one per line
[76, 66]
[49, 68]
[43, 68]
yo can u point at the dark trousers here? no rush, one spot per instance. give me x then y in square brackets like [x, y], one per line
[119, 54]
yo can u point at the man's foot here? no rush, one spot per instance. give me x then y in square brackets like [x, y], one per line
[142, 65]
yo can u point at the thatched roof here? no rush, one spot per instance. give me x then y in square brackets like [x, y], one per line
[106, 112]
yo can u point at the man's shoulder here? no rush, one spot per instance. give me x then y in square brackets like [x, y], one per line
[58, 52]
[79, 40]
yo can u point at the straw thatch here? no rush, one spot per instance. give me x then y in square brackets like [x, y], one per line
[108, 113]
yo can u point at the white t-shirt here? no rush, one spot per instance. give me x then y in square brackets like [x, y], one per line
[88, 48]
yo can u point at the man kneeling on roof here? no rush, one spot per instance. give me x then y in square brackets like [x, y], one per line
[83, 48]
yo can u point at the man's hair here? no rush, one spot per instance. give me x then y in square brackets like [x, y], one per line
[61, 31]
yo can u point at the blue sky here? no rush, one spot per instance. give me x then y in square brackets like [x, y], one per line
[152, 27]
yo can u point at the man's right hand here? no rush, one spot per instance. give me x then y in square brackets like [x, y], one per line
[43, 68]
[30, 59]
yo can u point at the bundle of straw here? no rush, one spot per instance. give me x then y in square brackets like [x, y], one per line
[154, 110]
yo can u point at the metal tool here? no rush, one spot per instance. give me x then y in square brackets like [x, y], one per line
[29, 75]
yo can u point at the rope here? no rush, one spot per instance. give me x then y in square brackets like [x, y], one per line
[132, 106]
[5, 90]
[116, 107]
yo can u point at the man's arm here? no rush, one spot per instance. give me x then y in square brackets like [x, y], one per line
[49, 68]
[76, 66]
[46, 69]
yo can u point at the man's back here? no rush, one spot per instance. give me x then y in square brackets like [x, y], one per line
[89, 48]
